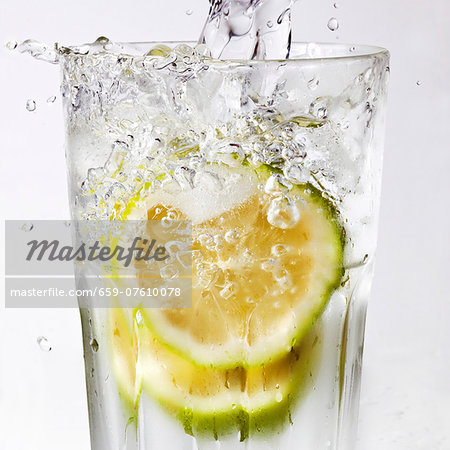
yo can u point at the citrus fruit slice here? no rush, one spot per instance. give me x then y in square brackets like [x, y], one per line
[208, 401]
[265, 263]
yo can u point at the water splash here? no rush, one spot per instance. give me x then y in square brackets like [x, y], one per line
[39, 50]
[248, 29]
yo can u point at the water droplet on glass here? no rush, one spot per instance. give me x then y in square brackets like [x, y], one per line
[336, 5]
[189, 12]
[31, 105]
[322, 113]
[27, 226]
[352, 49]
[269, 24]
[278, 397]
[333, 24]
[94, 344]
[44, 344]
[11, 45]
[418, 82]
[51, 99]
[313, 83]
[139, 318]
[283, 213]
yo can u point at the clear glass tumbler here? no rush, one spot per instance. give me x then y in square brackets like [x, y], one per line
[277, 167]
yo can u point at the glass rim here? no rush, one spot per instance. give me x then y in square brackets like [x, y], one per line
[337, 52]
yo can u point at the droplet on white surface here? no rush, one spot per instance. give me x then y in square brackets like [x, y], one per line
[31, 105]
[269, 24]
[44, 344]
[11, 45]
[418, 82]
[333, 24]
[189, 12]
[336, 5]
[27, 226]
[51, 99]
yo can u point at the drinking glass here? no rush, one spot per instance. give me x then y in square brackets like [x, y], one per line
[276, 165]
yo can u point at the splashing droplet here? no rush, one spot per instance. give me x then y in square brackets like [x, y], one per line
[39, 50]
[27, 226]
[51, 99]
[11, 45]
[189, 12]
[31, 105]
[44, 344]
[333, 24]
[94, 345]
[269, 24]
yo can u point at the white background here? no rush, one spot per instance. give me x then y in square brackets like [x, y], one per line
[406, 391]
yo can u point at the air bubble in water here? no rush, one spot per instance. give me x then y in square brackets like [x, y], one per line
[51, 99]
[232, 236]
[283, 213]
[227, 291]
[333, 24]
[27, 226]
[31, 105]
[169, 271]
[297, 173]
[94, 344]
[11, 45]
[189, 12]
[44, 344]
[278, 250]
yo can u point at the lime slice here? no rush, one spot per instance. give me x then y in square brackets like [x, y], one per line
[124, 356]
[208, 401]
[264, 268]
